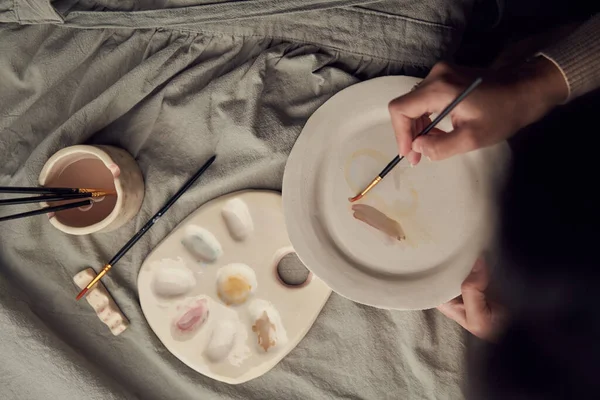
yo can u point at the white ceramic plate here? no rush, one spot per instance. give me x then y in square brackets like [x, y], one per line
[298, 306]
[445, 208]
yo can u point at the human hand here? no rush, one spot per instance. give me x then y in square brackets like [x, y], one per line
[472, 310]
[505, 102]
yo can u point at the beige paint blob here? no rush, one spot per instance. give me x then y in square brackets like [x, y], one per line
[263, 328]
[378, 220]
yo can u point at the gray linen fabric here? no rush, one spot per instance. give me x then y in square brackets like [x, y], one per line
[173, 83]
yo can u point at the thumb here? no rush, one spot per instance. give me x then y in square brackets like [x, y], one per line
[443, 145]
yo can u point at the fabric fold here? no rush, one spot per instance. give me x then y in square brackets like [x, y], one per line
[28, 12]
[173, 93]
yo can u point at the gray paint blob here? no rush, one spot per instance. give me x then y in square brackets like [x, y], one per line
[291, 270]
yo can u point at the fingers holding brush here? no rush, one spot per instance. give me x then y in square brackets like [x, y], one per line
[410, 114]
[407, 126]
[414, 109]
[440, 145]
[508, 100]
[417, 126]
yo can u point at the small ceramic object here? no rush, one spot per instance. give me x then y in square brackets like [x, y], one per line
[238, 219]
[172, 278]
[102, 302]
[428, 224]
[235, 283]
[202, 243]
[192, 315]
[255, 319]
[98, 167]
[221, 340]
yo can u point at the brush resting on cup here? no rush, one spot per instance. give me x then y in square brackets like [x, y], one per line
[430, 127]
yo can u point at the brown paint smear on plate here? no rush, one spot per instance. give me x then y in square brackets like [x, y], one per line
[382, 213]
[378, 220]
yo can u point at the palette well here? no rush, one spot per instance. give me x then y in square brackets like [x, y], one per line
[225, 292]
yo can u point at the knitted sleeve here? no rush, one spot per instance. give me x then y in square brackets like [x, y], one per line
[578, 58]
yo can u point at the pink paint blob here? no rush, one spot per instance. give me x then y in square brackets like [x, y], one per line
[193, 316]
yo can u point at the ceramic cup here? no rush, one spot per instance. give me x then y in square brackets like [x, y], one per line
[101, 167]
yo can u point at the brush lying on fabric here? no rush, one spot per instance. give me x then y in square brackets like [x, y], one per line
[146, 227]
[425, 131]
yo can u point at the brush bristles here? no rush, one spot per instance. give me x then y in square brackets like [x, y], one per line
[355, 198]
[359, 196]
[81, 294]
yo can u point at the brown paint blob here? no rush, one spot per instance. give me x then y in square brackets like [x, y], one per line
[379, 221]
[264, 329]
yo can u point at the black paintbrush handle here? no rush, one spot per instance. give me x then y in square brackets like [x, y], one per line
[38, 190]
[436, 121]
[44, 198]
[390, 166]
[46, 210]
[160, 213]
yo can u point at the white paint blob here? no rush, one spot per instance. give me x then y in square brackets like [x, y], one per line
[222, 340]
[192, 315]
[235, 283]
[267, 325]
[238, 219]
[202, 243]
[172, 278]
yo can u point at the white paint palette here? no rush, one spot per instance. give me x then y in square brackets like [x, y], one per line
[211, 292]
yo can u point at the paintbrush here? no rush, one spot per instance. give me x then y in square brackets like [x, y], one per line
[425, 131]
[47, 210]
[49, 190]
[146, 227]
[52, 197]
